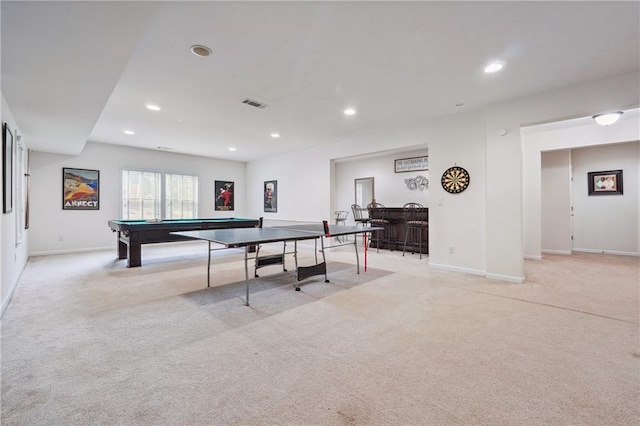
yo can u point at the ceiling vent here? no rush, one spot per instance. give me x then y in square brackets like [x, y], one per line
[254, 103]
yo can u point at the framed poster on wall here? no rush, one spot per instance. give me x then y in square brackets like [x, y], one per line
[80, 189]
[271, 196]
[7, 169]
[224, 195]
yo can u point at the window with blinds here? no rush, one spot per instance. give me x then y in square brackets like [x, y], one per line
[181, 197]
[145, 197]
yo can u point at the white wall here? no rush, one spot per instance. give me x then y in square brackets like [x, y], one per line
[554, 136]
[13, 253]
[556, 202]
[390, 187]
[507, 212]
[301, 176]
[606, 223]
[459, 221]
[83, 230]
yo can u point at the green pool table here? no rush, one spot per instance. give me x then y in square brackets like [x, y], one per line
[133, 233]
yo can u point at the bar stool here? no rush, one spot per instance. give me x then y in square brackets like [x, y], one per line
[360, 219]
[358, 215]
[378, 217]
[413, 216]
[341, 219]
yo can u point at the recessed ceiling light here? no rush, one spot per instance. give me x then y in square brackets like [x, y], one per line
[349, 111]
[200, 50]
[129, 132]
[153, 107]
[493, 67]
[275, 135]
[232, 148]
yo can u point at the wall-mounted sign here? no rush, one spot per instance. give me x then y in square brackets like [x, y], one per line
[411, 164]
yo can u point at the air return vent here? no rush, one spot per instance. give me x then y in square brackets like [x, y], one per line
[254, 103]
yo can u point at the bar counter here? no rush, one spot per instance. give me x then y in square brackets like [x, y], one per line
[398, 229]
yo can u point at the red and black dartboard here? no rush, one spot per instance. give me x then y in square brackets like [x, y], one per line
[455, 180]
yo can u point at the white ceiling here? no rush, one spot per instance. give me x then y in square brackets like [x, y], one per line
[78, 71]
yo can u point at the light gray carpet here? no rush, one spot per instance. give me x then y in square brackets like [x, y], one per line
[86, 340]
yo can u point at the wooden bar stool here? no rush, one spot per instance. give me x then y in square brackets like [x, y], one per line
[415, 223]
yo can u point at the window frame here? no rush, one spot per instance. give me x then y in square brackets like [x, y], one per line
[161, 205]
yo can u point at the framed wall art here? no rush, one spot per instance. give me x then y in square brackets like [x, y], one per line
[271, 196]
[605, 183]
[80, 189]
[224, 195]
[7, 169]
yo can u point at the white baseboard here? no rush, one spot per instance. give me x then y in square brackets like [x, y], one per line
[5, 303]
[617, 253]
[556, 252]
[507, 278]
[14, 286]
[532, 257]
[456, 269]
[69, 251]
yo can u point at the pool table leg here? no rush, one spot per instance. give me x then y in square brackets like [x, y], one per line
[134, 255]
[122, 248]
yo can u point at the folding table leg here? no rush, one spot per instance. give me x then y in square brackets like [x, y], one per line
[246, 273]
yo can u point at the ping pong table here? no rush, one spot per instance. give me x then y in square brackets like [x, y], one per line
[250, 237]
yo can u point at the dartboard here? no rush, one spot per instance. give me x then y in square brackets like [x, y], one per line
[455, 180]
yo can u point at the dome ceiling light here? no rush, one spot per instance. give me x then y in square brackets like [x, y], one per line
[608, 118]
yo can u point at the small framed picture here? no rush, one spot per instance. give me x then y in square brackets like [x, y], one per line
[271, 196]
[605, 183]
[80, 189]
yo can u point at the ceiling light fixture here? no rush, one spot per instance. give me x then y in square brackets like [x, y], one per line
[153, 107]
[129, 132]
[275, 135]
[349, 111]
[607, 118]
[200, 50]
[493, 67]
[231, 148]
